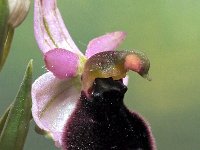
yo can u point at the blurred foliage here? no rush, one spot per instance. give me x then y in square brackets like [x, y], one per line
[167, 31]
[14, 124]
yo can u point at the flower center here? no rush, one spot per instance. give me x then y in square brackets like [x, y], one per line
[113, 64]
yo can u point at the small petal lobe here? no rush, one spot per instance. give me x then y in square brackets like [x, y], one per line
[107, 42]
[62, 63]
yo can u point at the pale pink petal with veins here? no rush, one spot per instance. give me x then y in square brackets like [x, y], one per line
[49, 28]
[53, 101]
[107, 42]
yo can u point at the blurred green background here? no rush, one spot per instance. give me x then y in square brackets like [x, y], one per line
[167, 31]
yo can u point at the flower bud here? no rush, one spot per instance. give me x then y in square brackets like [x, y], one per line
[18, 9]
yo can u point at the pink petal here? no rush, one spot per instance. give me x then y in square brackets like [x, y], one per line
[107, 42]
[50, 30]
[62, 63]
[53, 101]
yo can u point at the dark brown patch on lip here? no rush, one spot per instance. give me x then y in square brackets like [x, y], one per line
[102, 122]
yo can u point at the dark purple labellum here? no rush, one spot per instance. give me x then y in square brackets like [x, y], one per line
[102, 122]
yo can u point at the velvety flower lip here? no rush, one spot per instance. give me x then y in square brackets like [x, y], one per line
[55, 93]
[103, 122]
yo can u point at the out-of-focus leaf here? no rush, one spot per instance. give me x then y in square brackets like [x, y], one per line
[4, 14]
[6, 32]
[16, 126]
[3, 119]
[6, 45]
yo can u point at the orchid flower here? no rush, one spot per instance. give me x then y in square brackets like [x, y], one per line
[78, 89]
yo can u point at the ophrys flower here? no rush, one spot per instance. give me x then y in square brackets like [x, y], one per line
[73, 78]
